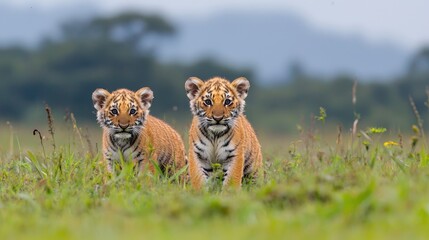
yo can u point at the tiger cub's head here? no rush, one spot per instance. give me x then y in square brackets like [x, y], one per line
[122, 112]
[217, 102]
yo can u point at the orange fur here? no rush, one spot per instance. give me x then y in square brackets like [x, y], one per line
[130, 131]
[220, 133]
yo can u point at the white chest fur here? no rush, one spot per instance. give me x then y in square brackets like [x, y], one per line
[123, 155]
[216, 151]
[124, 150]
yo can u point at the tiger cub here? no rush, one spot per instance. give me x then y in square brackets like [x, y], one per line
[130, 133]
[220, 133]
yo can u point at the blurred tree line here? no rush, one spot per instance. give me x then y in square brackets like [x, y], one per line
[120, 52]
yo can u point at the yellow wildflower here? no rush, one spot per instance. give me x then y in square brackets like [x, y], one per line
[415, 129]
[376, 130]
[390, 143]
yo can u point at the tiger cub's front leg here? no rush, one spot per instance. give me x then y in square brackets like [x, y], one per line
[196, 174]
[234, 174]
[115, 159]
[109, 160]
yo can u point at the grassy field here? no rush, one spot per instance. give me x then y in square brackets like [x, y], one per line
[368, 185]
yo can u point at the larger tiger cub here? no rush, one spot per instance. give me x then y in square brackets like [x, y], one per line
[130, 133]
[220, 133]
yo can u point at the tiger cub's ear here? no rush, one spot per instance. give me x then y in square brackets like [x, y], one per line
[242, 85]
[192, 86]
[146, 96]
[99, 97]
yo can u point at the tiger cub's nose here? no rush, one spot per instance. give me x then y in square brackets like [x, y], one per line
[217, 118]
[123, 126]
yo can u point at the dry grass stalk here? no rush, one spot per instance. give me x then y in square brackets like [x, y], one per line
[36, 131]
[89, 143]
[339, 141]
[76, 129]
[11, 143]
[419, 120]
[356, 121]
[354, 128]
[51, 124]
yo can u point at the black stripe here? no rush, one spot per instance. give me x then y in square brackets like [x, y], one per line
[112, 138]
[139, 153]
[225, 174]
[203, 143]
[125, 148]
[231, 150]
[133, 139]
[164, 159]
[112, 147]
[228, 141]
[219, 134]
[246, 170]
[199, 112]
[206, 171]
[229, 157]
[136, 146]
[206, 134]
[137, 166]
[247, 163]
[248, 157]
[227, 130]
[198, 148]
[200, 157]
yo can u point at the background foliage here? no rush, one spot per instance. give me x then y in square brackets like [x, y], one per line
[120, 51]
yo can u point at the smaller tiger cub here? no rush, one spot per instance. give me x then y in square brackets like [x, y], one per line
[220, 133]
[130, 133]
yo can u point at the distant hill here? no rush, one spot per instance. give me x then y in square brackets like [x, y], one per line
[270, 43]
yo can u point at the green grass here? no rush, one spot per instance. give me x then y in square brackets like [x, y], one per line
[315, 187]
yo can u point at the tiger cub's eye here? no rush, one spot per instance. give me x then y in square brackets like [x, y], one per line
[114, 111]
[208, 102]
[228, 102]
[133, 111]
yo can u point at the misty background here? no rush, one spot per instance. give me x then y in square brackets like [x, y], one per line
[298, 55]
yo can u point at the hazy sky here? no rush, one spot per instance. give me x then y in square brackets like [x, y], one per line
[403, 22]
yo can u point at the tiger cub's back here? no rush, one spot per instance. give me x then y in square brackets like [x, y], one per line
[160, 141]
